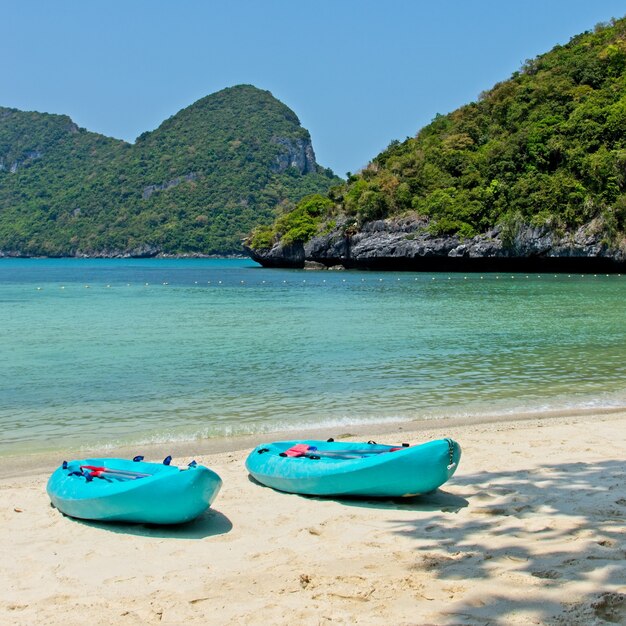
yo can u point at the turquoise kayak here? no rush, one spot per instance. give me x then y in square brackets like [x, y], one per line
[330, 468]
[120, 490]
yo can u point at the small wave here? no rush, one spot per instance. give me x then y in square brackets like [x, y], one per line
[491, 412]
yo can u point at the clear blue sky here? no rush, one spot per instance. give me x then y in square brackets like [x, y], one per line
[358, 73]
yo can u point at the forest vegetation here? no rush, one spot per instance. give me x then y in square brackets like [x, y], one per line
[545, 148]
[195, 185]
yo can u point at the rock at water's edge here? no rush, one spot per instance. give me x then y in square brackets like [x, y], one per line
[405, 244]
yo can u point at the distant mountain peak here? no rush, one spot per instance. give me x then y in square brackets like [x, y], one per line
[194, 185]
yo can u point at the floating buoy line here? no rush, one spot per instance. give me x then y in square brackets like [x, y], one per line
[344, 281]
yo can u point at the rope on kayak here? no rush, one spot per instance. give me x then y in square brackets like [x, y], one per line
[312, 452]
[89, 472]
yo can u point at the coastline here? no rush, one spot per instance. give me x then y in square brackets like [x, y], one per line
[530, 530]
[30, 464]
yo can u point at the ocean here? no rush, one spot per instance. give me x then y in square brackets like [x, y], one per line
[114, 352]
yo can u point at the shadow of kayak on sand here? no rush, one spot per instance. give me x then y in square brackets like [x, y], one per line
[210, 524]
[437, 500]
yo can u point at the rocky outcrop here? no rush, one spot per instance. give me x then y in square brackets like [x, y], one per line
[405, 244]
[280, 256]
[170, 184]
[30, 155]
[296, 153]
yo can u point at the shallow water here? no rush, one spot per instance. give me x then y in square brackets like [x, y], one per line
[116, 352]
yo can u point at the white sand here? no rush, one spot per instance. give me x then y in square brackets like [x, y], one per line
[531, 530]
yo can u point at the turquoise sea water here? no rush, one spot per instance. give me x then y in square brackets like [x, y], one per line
[113, 352]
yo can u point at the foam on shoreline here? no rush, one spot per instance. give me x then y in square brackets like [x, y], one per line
[36, 463]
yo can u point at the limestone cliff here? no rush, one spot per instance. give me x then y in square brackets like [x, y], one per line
[405, 244]
[297, 153]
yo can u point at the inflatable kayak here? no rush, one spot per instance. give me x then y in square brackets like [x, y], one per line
[132, 491]
[329, 468]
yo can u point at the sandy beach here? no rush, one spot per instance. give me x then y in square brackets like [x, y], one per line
[530, 530]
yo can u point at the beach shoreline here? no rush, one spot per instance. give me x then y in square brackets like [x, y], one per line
[29, 464]
[529, 530]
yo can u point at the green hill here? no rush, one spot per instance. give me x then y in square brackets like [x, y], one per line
[545, 149]
[195, 185]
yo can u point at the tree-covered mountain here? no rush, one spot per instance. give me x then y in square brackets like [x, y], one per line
[195, 185]
[541, 153]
